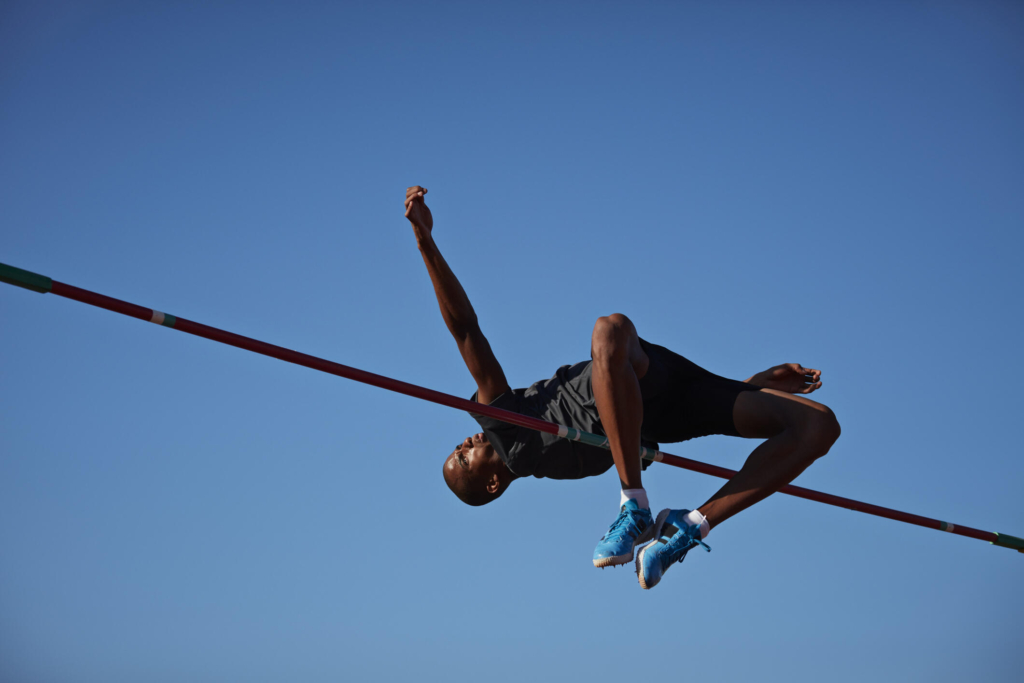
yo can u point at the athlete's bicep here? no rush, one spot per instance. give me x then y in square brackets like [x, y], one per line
[486, 371]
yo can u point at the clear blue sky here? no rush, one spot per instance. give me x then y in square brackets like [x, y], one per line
[840, 185]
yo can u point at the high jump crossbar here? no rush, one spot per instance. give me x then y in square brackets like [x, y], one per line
[43, 284]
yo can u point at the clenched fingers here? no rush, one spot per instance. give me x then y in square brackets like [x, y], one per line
[810, 388]
[813, 379]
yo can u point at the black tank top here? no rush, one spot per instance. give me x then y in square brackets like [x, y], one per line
[565, 399]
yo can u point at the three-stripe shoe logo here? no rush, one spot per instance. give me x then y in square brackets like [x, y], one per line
[667, 532]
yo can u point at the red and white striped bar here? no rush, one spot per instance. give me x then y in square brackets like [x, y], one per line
[43, 284]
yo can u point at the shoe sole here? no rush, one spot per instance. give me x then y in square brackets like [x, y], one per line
[655, 533]
[617, 560]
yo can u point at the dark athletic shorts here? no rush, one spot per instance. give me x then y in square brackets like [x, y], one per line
[683, 401]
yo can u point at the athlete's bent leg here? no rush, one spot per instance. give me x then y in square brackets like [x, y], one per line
[799, 431]
[619, 363]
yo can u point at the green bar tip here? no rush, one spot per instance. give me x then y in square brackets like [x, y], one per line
[23, 278]
[1008, 541]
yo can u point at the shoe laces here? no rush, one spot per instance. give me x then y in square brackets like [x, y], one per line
[625, 524]
[682, 543]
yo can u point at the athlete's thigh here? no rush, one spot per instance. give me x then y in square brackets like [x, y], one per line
[689, 402]
[765, 413]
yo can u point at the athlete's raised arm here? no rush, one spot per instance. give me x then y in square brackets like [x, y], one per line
[456, 310]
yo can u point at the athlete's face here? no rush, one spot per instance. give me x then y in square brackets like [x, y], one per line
[470, 457]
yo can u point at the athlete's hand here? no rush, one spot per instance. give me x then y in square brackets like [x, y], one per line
[792, 378]
[416, 209]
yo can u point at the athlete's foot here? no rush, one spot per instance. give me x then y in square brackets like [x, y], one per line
[631, 528]
[673, 538]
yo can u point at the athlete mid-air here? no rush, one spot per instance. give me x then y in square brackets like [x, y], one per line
[635, 393]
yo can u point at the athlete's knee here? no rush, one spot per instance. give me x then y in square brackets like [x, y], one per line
[820, 430]
[612, 337]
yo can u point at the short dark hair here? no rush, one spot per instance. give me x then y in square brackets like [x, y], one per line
[470, 489]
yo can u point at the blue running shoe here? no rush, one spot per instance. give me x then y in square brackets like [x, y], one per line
[631, 528]
[673, 538]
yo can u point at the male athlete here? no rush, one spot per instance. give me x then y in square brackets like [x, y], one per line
[635, 393]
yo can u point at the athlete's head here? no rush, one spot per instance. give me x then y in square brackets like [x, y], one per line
[475, 473]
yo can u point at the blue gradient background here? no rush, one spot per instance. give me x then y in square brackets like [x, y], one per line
[834, 184]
